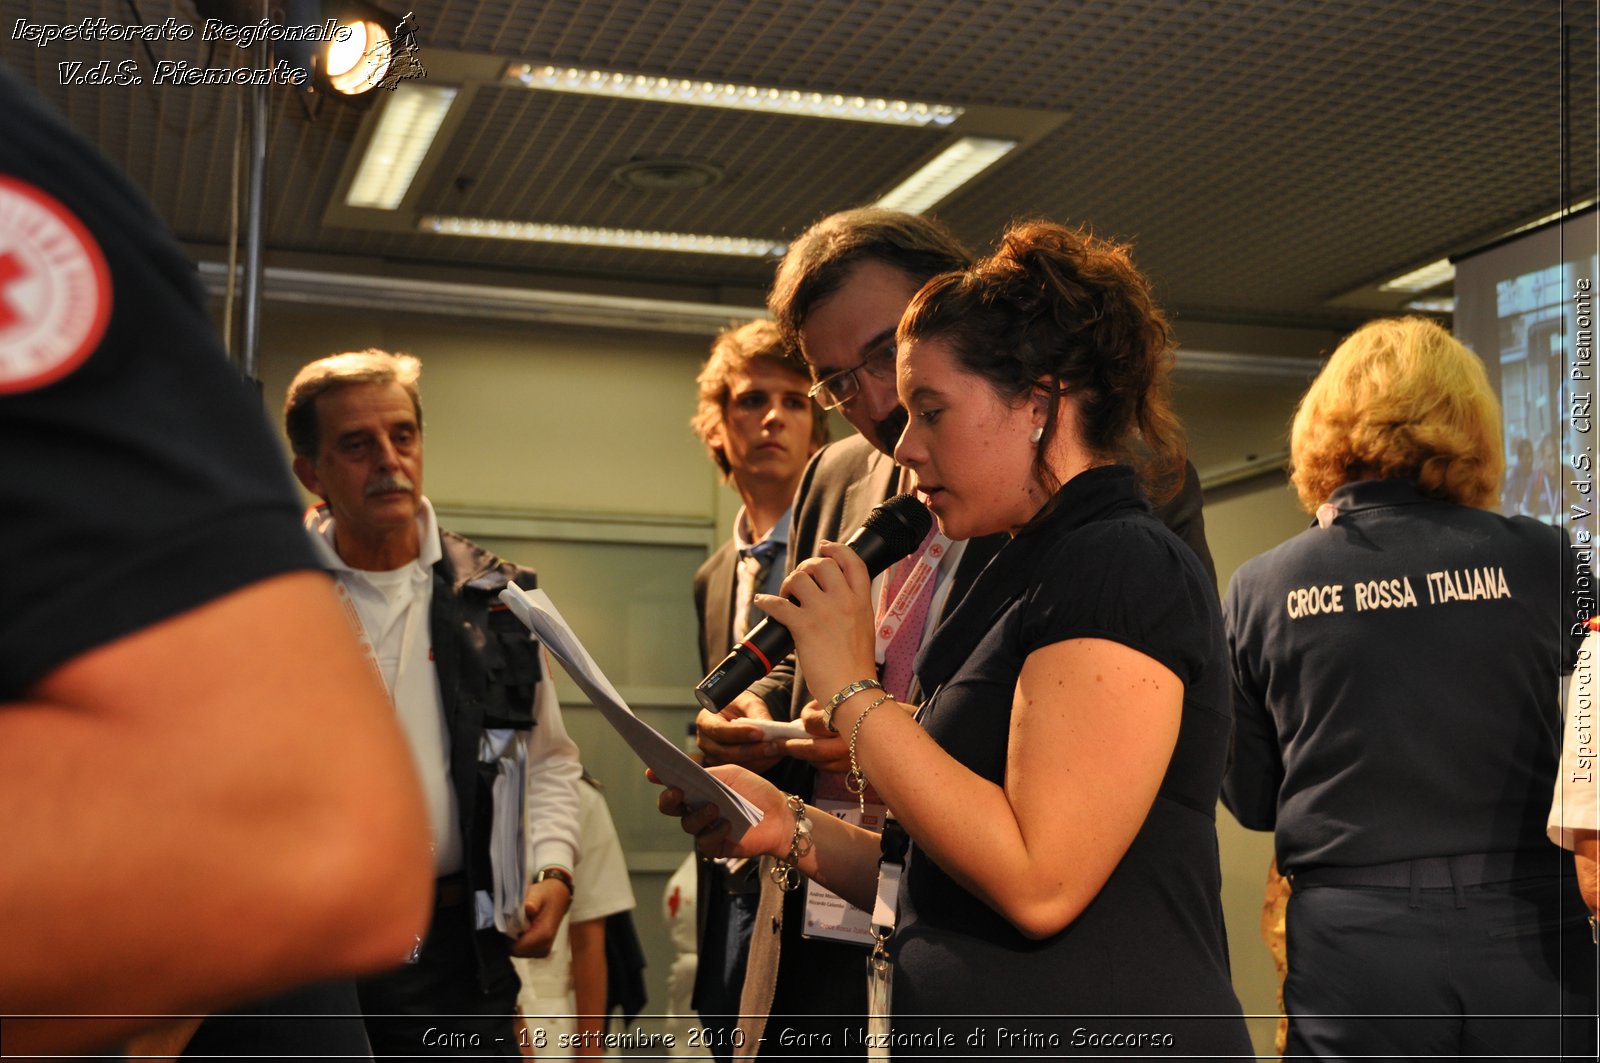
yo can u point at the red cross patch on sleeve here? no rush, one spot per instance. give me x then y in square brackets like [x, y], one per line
[55, 289]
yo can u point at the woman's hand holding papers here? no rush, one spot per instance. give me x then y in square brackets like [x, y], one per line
[710, 829]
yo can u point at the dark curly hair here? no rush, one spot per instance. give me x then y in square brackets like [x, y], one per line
[1064, 310]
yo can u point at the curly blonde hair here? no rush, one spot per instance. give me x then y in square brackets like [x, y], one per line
[1399, 399]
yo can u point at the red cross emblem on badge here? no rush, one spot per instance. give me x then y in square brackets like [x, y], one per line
[55, 289]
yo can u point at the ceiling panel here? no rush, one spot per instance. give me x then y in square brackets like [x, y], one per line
[1263, 156]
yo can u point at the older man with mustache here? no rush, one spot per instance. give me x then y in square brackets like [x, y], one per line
[467, 684]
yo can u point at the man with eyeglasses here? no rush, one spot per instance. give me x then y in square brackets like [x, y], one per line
[838, 297]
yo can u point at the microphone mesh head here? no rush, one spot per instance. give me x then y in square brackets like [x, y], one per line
[902, 522]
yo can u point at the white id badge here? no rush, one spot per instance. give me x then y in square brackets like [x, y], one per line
[880, 976]
[880, 971]
[829, 917]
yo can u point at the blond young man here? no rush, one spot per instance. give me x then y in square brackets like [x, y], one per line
[760, 428]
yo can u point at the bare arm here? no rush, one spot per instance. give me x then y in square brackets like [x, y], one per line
[1093, 726]
[240, 816]
[588, 941]
[844, 858]
[1586, 855]
[165, 1042]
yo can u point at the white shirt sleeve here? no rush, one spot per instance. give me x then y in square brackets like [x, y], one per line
[554, 834]
[603, 889]
[1573, 805]
[602, 875]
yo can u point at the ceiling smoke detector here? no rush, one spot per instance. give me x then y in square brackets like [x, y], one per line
[667, 174]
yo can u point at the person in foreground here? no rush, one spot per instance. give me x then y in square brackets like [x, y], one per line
[838, 296]
[1395, 668]
[1059, 780]
[187, 825]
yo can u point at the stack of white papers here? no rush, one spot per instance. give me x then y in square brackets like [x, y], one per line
[670, 764]
[508, 749]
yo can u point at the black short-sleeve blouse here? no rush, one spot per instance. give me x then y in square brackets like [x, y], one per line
[1152, 941]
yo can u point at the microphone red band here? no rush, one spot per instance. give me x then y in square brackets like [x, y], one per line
[753, 648]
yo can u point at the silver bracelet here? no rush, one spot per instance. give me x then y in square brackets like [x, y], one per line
[786, 872]
[855, 779]
[845, 695]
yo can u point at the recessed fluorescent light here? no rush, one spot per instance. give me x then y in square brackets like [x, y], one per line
[1557, 215]
[1421, 279]
[596, 236]
[728, 94]
[948, 171]
[1443, 304]
[410, 120]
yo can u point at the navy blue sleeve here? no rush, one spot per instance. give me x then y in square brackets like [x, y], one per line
[138, 475]
[1255, 762]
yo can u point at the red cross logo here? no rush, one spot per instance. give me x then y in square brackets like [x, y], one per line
[55, 288]
[10, 271]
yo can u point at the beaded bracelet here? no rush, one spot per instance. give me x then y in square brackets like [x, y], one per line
[844, 695]
[856, 780]
[786, 872]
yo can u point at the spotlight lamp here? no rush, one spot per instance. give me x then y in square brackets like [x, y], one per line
[358, 59]
[348, 47]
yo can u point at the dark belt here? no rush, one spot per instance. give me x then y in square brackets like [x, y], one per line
[451, 890]
[1432, 872]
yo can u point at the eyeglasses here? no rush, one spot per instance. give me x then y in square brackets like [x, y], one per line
[836, 389]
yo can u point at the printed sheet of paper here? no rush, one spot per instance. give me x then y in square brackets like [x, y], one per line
[671, 764]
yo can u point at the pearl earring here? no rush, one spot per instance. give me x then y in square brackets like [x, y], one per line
[1038, 434]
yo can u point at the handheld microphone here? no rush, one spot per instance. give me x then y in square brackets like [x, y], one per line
[890, 532]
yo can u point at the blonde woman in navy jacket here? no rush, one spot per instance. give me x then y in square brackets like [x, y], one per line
[1396, 677]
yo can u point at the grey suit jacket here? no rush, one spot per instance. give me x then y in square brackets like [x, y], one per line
[714, 583]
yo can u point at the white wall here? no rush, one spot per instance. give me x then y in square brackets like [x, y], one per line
[539, 418]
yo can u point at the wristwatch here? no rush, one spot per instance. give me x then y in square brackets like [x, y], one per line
[561, 875]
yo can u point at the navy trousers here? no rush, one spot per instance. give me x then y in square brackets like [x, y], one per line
[724, 953]
[1502, 970]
